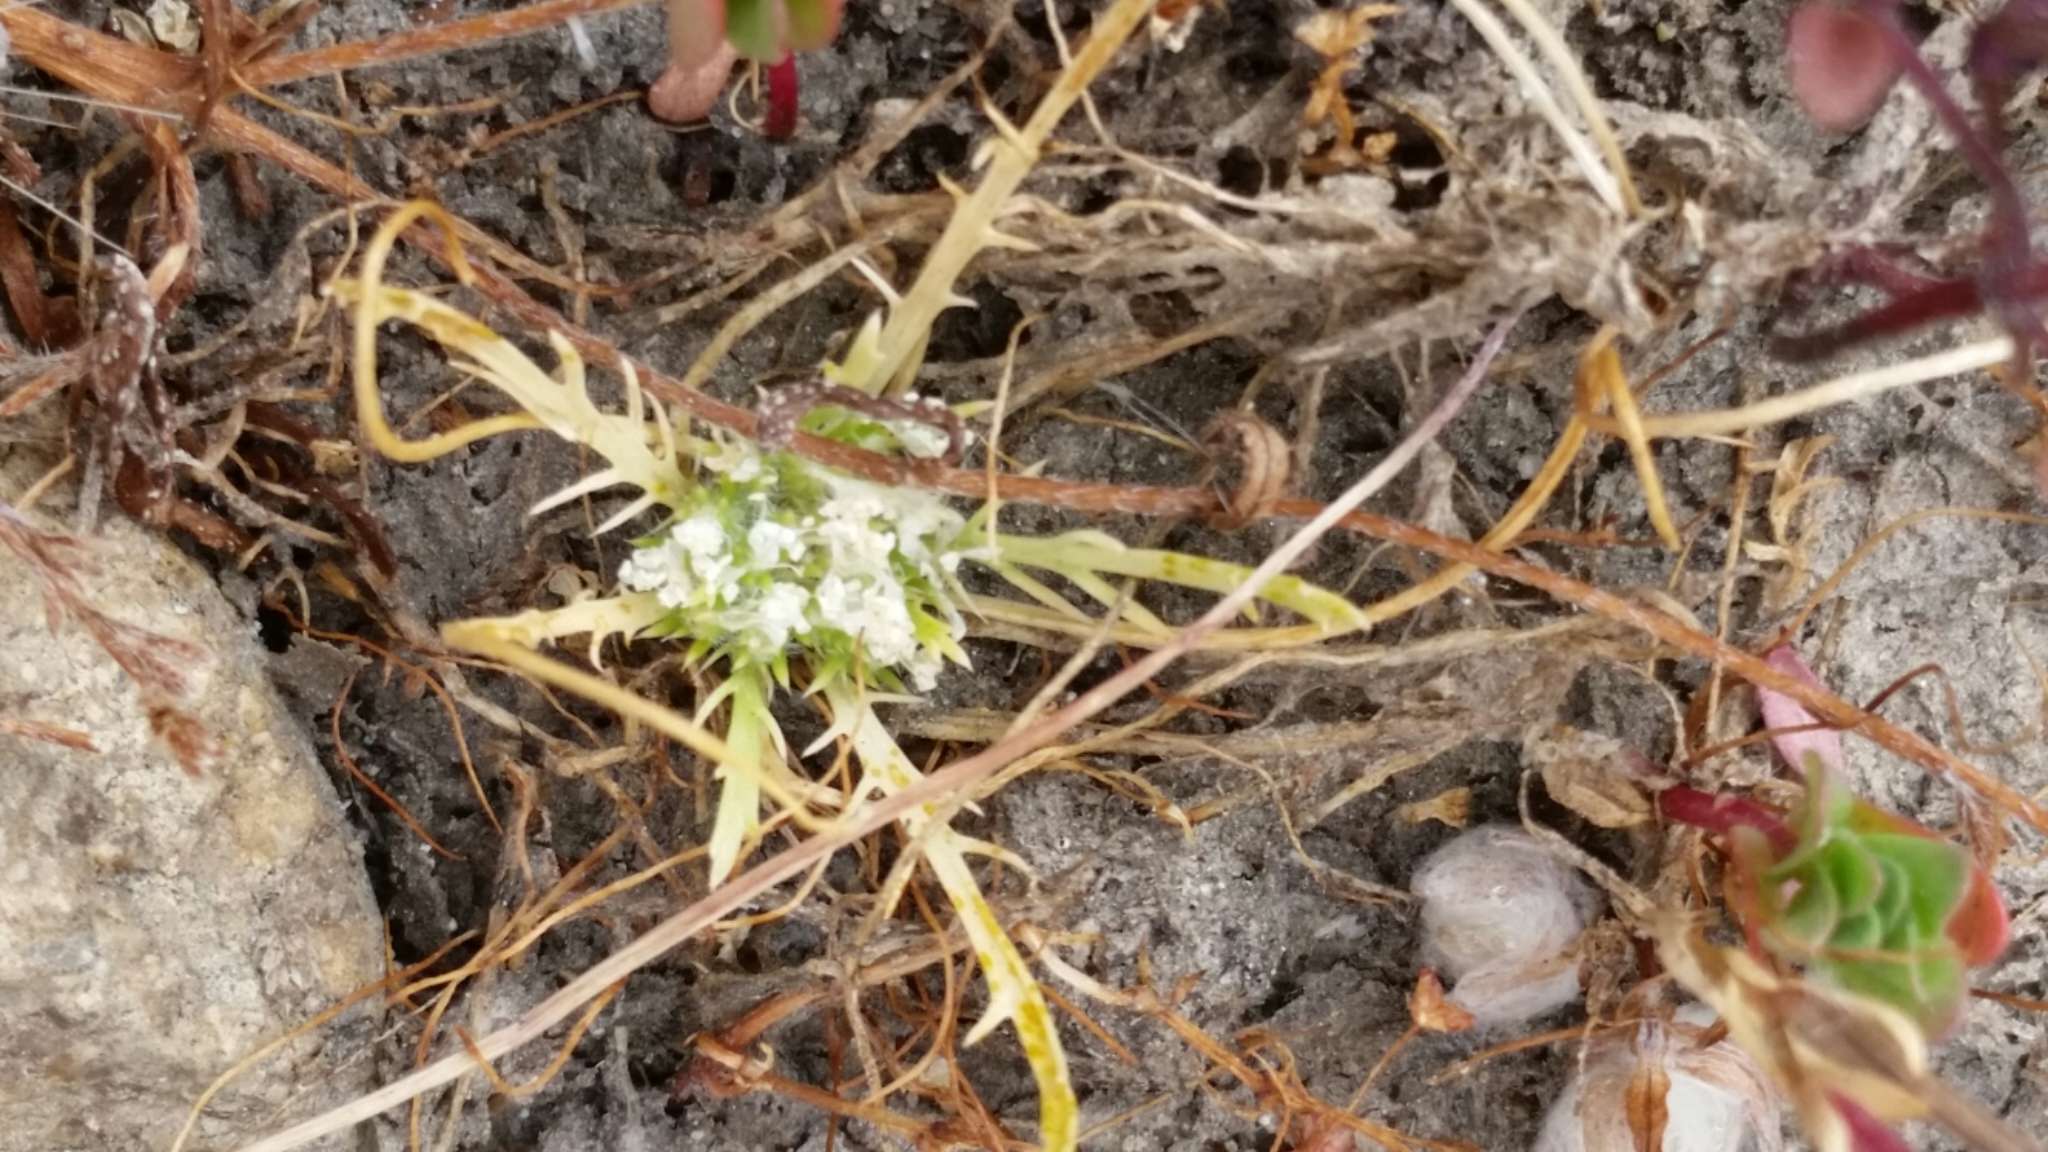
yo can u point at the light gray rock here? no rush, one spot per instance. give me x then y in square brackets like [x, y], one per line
[156, 927]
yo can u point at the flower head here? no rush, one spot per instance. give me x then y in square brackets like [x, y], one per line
[772, 553]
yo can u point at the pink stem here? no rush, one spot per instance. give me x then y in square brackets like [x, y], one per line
[1866, 1132]
[1939, 300]
[1723, 813]
[782, 94]
[2008, 211]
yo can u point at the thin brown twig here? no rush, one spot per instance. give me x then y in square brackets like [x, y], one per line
[355, 772]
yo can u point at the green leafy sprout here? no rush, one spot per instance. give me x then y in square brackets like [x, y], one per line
[1863, 899]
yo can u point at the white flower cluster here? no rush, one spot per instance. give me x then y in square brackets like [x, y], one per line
[774, 553]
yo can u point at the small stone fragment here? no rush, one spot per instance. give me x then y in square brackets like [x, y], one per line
[156, 927]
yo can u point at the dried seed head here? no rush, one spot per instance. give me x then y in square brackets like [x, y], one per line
[1500, 915]
[1655, 1087]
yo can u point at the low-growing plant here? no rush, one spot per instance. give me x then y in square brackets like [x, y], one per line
[776, 573]
[1851, 910]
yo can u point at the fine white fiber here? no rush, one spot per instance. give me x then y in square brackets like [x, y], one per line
[1500, 916]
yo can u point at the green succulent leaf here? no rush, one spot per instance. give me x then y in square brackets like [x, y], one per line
[1864, 933]
[1937, 873]
[1853, 872]
[1865, 899]
[1808, 919]
[1895, 898]
[752, 28]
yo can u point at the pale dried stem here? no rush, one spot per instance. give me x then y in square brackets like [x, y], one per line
[1841, 390]
[1013, 154]
[1608, 185]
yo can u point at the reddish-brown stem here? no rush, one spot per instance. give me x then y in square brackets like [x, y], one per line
[1939, 300]
[1721, 813]
[2008, 211]
[1932, 302]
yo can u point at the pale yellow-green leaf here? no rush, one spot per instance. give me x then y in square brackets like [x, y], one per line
[1013, 994]
[1080, 554]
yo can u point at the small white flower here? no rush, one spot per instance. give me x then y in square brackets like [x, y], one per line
[851, 564]
[646, 570]
[853, 506]
[856, 549]
[701, 536]
[886, 632]
[737, 461]
[832, 596]
[769, 544]
[781, 615]
[924, 669]
[924, 441]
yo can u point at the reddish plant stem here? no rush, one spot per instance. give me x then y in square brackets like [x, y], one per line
[782, 99]
[2008, 210]
[1722, 813]
[1940, 300]
[1931, 302]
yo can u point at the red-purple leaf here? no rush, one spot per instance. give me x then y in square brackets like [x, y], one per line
[1784, 717]
[1840, 63]
[1980, 927]
[1723, 813]
[782, 99]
